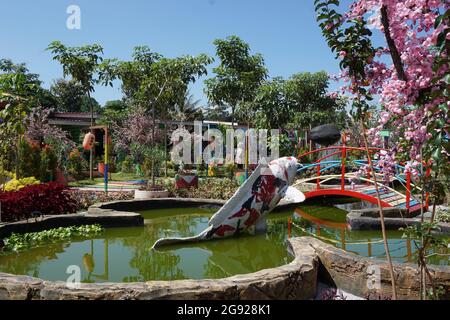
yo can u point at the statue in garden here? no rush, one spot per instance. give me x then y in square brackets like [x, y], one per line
[251, 203]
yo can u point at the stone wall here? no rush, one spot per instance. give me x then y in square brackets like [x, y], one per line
[297, 280]
[351, 273]
[394, 219]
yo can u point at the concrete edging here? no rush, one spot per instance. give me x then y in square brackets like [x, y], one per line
[394, 218]
[296, 280]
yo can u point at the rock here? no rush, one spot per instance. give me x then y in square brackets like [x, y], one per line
[325, 135]
[352, 273]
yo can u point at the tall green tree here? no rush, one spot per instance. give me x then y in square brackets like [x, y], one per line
[237, 77]
[19, 91]
[157, 83]
[114, 112]
[68, 94]
[302, 101]
[83, 64]
[270, 107]
[309, 102]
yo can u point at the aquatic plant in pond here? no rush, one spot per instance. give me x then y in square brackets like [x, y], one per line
[17, 242]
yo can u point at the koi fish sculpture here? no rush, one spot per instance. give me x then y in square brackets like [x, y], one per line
[251, 203]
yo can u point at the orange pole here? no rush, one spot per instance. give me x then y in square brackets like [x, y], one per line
[408, 249]
[289, 227]
[344, 156]
[408, 190]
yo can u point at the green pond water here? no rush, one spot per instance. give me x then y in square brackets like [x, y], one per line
[124, 255]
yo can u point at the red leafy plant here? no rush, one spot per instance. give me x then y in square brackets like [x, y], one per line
[44, 199]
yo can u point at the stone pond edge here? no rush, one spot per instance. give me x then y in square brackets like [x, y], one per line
[314, 260]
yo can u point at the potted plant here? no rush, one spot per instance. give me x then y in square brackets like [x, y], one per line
[152, 156]
[230, 170]
[185, 178]
[213, 169]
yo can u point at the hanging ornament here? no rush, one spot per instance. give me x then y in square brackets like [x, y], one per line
[88, 141]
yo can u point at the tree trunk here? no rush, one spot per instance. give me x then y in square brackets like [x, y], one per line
[153, 146]
[232, 116]
[19, 138]
[380, 210]
[91, 152]
[396, 59]
[165, 146]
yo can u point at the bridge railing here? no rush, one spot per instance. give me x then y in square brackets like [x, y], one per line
[322, 165]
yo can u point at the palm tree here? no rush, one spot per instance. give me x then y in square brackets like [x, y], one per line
[189, 110]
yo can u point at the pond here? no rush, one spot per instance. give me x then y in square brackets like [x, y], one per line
[124, 254]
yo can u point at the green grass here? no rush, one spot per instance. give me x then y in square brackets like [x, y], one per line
[115, 177]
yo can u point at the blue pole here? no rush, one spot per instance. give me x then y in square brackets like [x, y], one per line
[105, 176]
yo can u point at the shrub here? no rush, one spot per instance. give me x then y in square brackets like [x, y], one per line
[30, 158]
[127, 165]
[158, 156]
[85, 199]
[210, 188]
[35, 161]
[47, 199]
[49, 162]
[443, 215]
[4, 177]
[76, 164]
[15, 185]
[230, 170]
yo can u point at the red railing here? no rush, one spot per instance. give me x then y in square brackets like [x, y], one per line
[343, 151]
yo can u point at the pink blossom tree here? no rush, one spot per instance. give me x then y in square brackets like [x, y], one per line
[135, 135]
[409, 75]
[40, 130]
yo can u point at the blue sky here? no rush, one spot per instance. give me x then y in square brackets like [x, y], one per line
[285, 32]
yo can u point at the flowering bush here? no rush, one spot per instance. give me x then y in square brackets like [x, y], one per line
[17, 184]
[47, 199]
[37, 161]
[76, 164]
[4, 176]
[39, 129]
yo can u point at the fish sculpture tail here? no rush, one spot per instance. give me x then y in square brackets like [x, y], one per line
[172, 241]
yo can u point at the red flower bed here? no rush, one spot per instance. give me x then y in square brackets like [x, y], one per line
[47, 199]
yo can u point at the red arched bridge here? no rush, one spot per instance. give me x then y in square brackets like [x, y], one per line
[325, 172]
